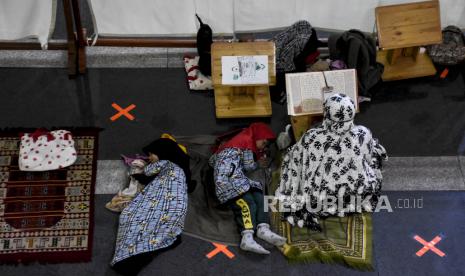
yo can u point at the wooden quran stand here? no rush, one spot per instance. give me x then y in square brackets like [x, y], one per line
[402, 29]
[240, 101]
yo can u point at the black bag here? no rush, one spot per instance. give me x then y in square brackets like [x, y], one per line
[204, 42]
[452, 50]
[358, 51]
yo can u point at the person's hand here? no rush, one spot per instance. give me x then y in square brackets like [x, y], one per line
[153, 158]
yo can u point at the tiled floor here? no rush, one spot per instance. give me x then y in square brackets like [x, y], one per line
[443, 173]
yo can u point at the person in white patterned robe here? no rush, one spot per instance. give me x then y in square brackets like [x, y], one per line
[337, 159]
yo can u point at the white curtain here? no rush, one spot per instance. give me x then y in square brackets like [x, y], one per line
[176, 17]
[453, 13]
[160, 17]
[255, 15]
[216, 13]
[143, 17]
[21, 19]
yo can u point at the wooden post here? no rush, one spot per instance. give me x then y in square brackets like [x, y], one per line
[81, 38]
[393, 55]
[72, 42]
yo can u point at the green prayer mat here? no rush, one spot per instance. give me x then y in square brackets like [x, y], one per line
[347, 240]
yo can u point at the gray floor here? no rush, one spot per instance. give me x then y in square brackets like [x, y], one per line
[45, 97]
[421, 123]
[410, 118]
[444, 173]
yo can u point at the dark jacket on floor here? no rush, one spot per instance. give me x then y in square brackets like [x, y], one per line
[358, 51]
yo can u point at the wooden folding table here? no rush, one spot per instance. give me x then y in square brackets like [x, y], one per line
[239, 101]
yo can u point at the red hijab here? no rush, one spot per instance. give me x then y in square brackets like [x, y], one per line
[247, 138]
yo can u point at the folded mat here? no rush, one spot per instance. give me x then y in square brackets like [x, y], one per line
[205, 219]
[347, 240]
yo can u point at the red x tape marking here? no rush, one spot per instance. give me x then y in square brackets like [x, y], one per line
[122, 112]
[429, 246]
[220, 248]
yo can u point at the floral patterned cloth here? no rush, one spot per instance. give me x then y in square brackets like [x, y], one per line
[195, 78]
[336, 159]
[291, 43]
[230, 180]
[155, 217]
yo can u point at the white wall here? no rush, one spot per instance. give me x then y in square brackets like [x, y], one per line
[176, 17]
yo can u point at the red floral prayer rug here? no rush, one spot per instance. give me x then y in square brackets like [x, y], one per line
[47, 216]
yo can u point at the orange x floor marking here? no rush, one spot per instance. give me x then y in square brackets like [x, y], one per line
[122, 112]
[220, 248]
[429, 245]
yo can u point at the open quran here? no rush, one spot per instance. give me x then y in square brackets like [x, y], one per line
[306, 92]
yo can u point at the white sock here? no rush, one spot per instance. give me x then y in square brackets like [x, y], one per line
[249, 244]
[291, 220]
[267, 235]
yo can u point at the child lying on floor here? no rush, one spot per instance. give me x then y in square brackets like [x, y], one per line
[243, 195]
[154, 219]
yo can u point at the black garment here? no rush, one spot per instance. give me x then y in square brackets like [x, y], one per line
[249, 210]
[167, 149]
[204, 42]
[134, 264]
[358, 51]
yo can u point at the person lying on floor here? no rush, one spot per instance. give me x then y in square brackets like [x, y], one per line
[337, 159]
[138, 180]
[243, 195]
[154, 219]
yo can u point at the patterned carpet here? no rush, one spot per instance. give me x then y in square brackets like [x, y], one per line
[347, 241]
[47, 216]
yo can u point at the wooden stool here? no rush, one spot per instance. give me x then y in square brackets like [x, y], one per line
[402, 29]
[239, 101]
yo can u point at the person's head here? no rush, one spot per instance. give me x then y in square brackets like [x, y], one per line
[167, 149]
[338, 113]
[254, 138]
[262, 134]
[261, 144]
[161, 149]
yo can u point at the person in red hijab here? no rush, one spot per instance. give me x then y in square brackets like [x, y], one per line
[243, 195]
